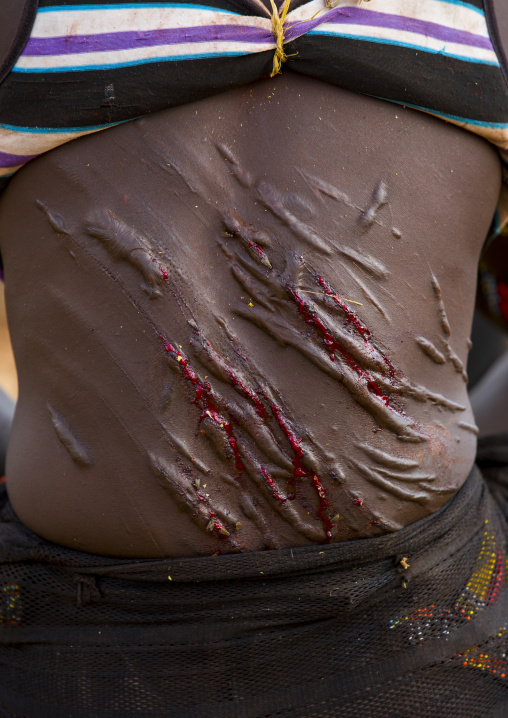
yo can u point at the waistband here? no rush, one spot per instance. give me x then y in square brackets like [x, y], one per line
[287, 633]
[448, 528]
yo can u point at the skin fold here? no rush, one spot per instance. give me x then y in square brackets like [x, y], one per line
[243, 323]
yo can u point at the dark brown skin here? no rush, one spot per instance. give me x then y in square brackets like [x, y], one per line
[242, 323]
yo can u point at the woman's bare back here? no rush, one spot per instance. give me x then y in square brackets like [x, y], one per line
[243, 323]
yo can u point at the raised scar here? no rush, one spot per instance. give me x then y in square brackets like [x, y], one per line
[456, 362]
[469, 427]
[273, 201]
[243, 176]
[389, 487]
[369, 264]
[184, 451]
[443, 318]
[386, 459]
[55, 220]
[124, 243]
[379, 199]
[369, 295]
[320, 185]
[75, 448]
[188, 494]
[430, 350]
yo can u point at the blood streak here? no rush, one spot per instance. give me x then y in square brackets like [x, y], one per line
[216, 524]
[205, 401]
[258, 404]
[271, 485]
[260, 254]
[212, 516]
[333, 345]
[300, 471]
[236, 381]
[353, 318]
[350, 315]
[163, 272]
[324, 504]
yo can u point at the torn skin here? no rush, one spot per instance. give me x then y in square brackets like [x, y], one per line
[204, 399]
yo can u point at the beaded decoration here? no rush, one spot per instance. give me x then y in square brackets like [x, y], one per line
[482, 589]
[10, 605]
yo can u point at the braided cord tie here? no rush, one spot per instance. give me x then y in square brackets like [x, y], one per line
[278, 32]
[278, 22]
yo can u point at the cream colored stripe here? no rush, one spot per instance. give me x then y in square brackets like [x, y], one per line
[92, 22]
[446, 14]
[33, 143]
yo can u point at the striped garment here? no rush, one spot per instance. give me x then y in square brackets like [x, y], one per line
[86, 67]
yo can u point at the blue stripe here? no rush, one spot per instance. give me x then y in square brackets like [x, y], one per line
[420, 48]
[496, 226]
[444, 116]
[126, 6]
[121, 6]
[58, 130]
[117, 65]
[465, 5]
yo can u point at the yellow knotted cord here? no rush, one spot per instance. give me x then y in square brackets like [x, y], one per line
[278, 33]
[278, 21]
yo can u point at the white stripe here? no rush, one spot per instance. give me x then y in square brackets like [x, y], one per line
[83, 22]
[442, 13]
[28, 143]
[34, 143]
[436, 11]
[498, 137]
[132, 55]
[138, 54]
[410, 38]
[4, 172]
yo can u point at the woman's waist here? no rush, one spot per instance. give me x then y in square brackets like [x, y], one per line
[109, 476]
[222, 325]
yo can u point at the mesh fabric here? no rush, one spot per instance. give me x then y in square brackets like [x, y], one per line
[342, 630]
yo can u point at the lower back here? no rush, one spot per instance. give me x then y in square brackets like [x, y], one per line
[243, 323]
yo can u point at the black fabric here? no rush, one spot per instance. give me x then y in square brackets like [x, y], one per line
[76, 99]
[244, 7]
[439, 83]
[55, 103]
[368, 68]
[342, 630]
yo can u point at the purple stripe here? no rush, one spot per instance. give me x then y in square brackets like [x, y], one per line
[75, 44]
[103, 42]
[8, 160]
[357, 16]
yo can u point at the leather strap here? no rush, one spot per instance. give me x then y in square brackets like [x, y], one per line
[16, 20]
